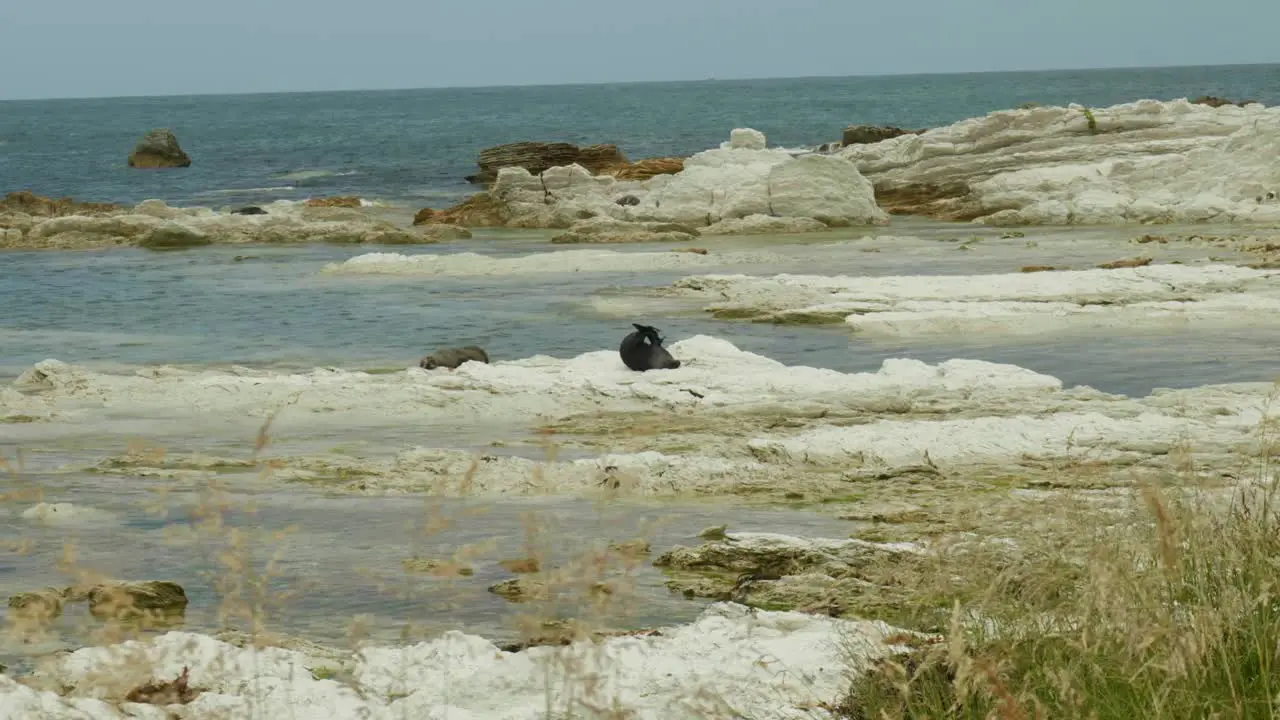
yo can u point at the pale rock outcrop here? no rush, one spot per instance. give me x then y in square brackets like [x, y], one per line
[1018, 303]
[726, 422]
[693, 670]
[764, 225]
[607, 230]
[745, 139]
[153, 224]
[560, 196]
[1140, 162]
[64, 514]
[781, 571]
[90, 231]
[566, 261]
[738, 179]
[173, 235]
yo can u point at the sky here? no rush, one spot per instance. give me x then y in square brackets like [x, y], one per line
[93, 48]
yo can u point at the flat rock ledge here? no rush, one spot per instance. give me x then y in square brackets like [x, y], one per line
[778, 572]
[31, 222]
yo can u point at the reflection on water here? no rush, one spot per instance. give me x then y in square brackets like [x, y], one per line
[343, 557]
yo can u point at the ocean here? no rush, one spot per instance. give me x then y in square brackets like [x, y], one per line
[414, 147]
[123, 308]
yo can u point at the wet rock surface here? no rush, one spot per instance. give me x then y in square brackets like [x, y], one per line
[779, 572]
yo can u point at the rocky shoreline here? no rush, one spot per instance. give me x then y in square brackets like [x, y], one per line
[1141, 163]
[925, 461]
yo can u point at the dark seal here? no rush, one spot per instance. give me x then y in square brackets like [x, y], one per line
[453, 357]
[249, 210]
[642, 350]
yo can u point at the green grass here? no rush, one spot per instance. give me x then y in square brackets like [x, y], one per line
[1173, 613]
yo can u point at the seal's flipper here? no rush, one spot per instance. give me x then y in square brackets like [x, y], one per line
[649, 332]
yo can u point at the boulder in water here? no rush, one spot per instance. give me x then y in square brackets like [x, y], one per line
[159, 149]
[538, 156]
[868, 134]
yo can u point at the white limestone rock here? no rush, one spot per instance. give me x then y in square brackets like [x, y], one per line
[997, 416]
[764, 225]
[745, 139]
[604, 230]
[153, 224]
[565, 261]
[1016, 303]
[1141, 162]
[686, 671]
[739, 179]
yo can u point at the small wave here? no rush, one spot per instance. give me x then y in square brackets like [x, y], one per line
[244, 191]
[301, 175]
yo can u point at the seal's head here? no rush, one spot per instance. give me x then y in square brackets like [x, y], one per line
[642, 350]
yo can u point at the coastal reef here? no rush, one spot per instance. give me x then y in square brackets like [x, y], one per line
[1147, 161]
[29, 221]
[741, 178]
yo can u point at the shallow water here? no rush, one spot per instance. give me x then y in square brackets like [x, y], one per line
[345, 554]
[123, 308]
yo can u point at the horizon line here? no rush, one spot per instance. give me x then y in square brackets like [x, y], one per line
[73, 98]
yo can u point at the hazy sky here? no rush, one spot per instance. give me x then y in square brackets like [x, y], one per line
[84, 48]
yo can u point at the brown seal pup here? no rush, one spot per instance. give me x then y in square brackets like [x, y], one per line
[453, 357]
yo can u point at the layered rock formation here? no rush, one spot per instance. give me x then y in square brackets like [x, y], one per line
[647, 168]
[1132, 294]
[607, 230]
[159, 149]
[537, 157]
[867, 134]
[1140, 162]
[1215, 101]
[153, 224]
[740, 179]
[28, 203]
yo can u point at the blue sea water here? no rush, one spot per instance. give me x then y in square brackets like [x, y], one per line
[415, 146]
